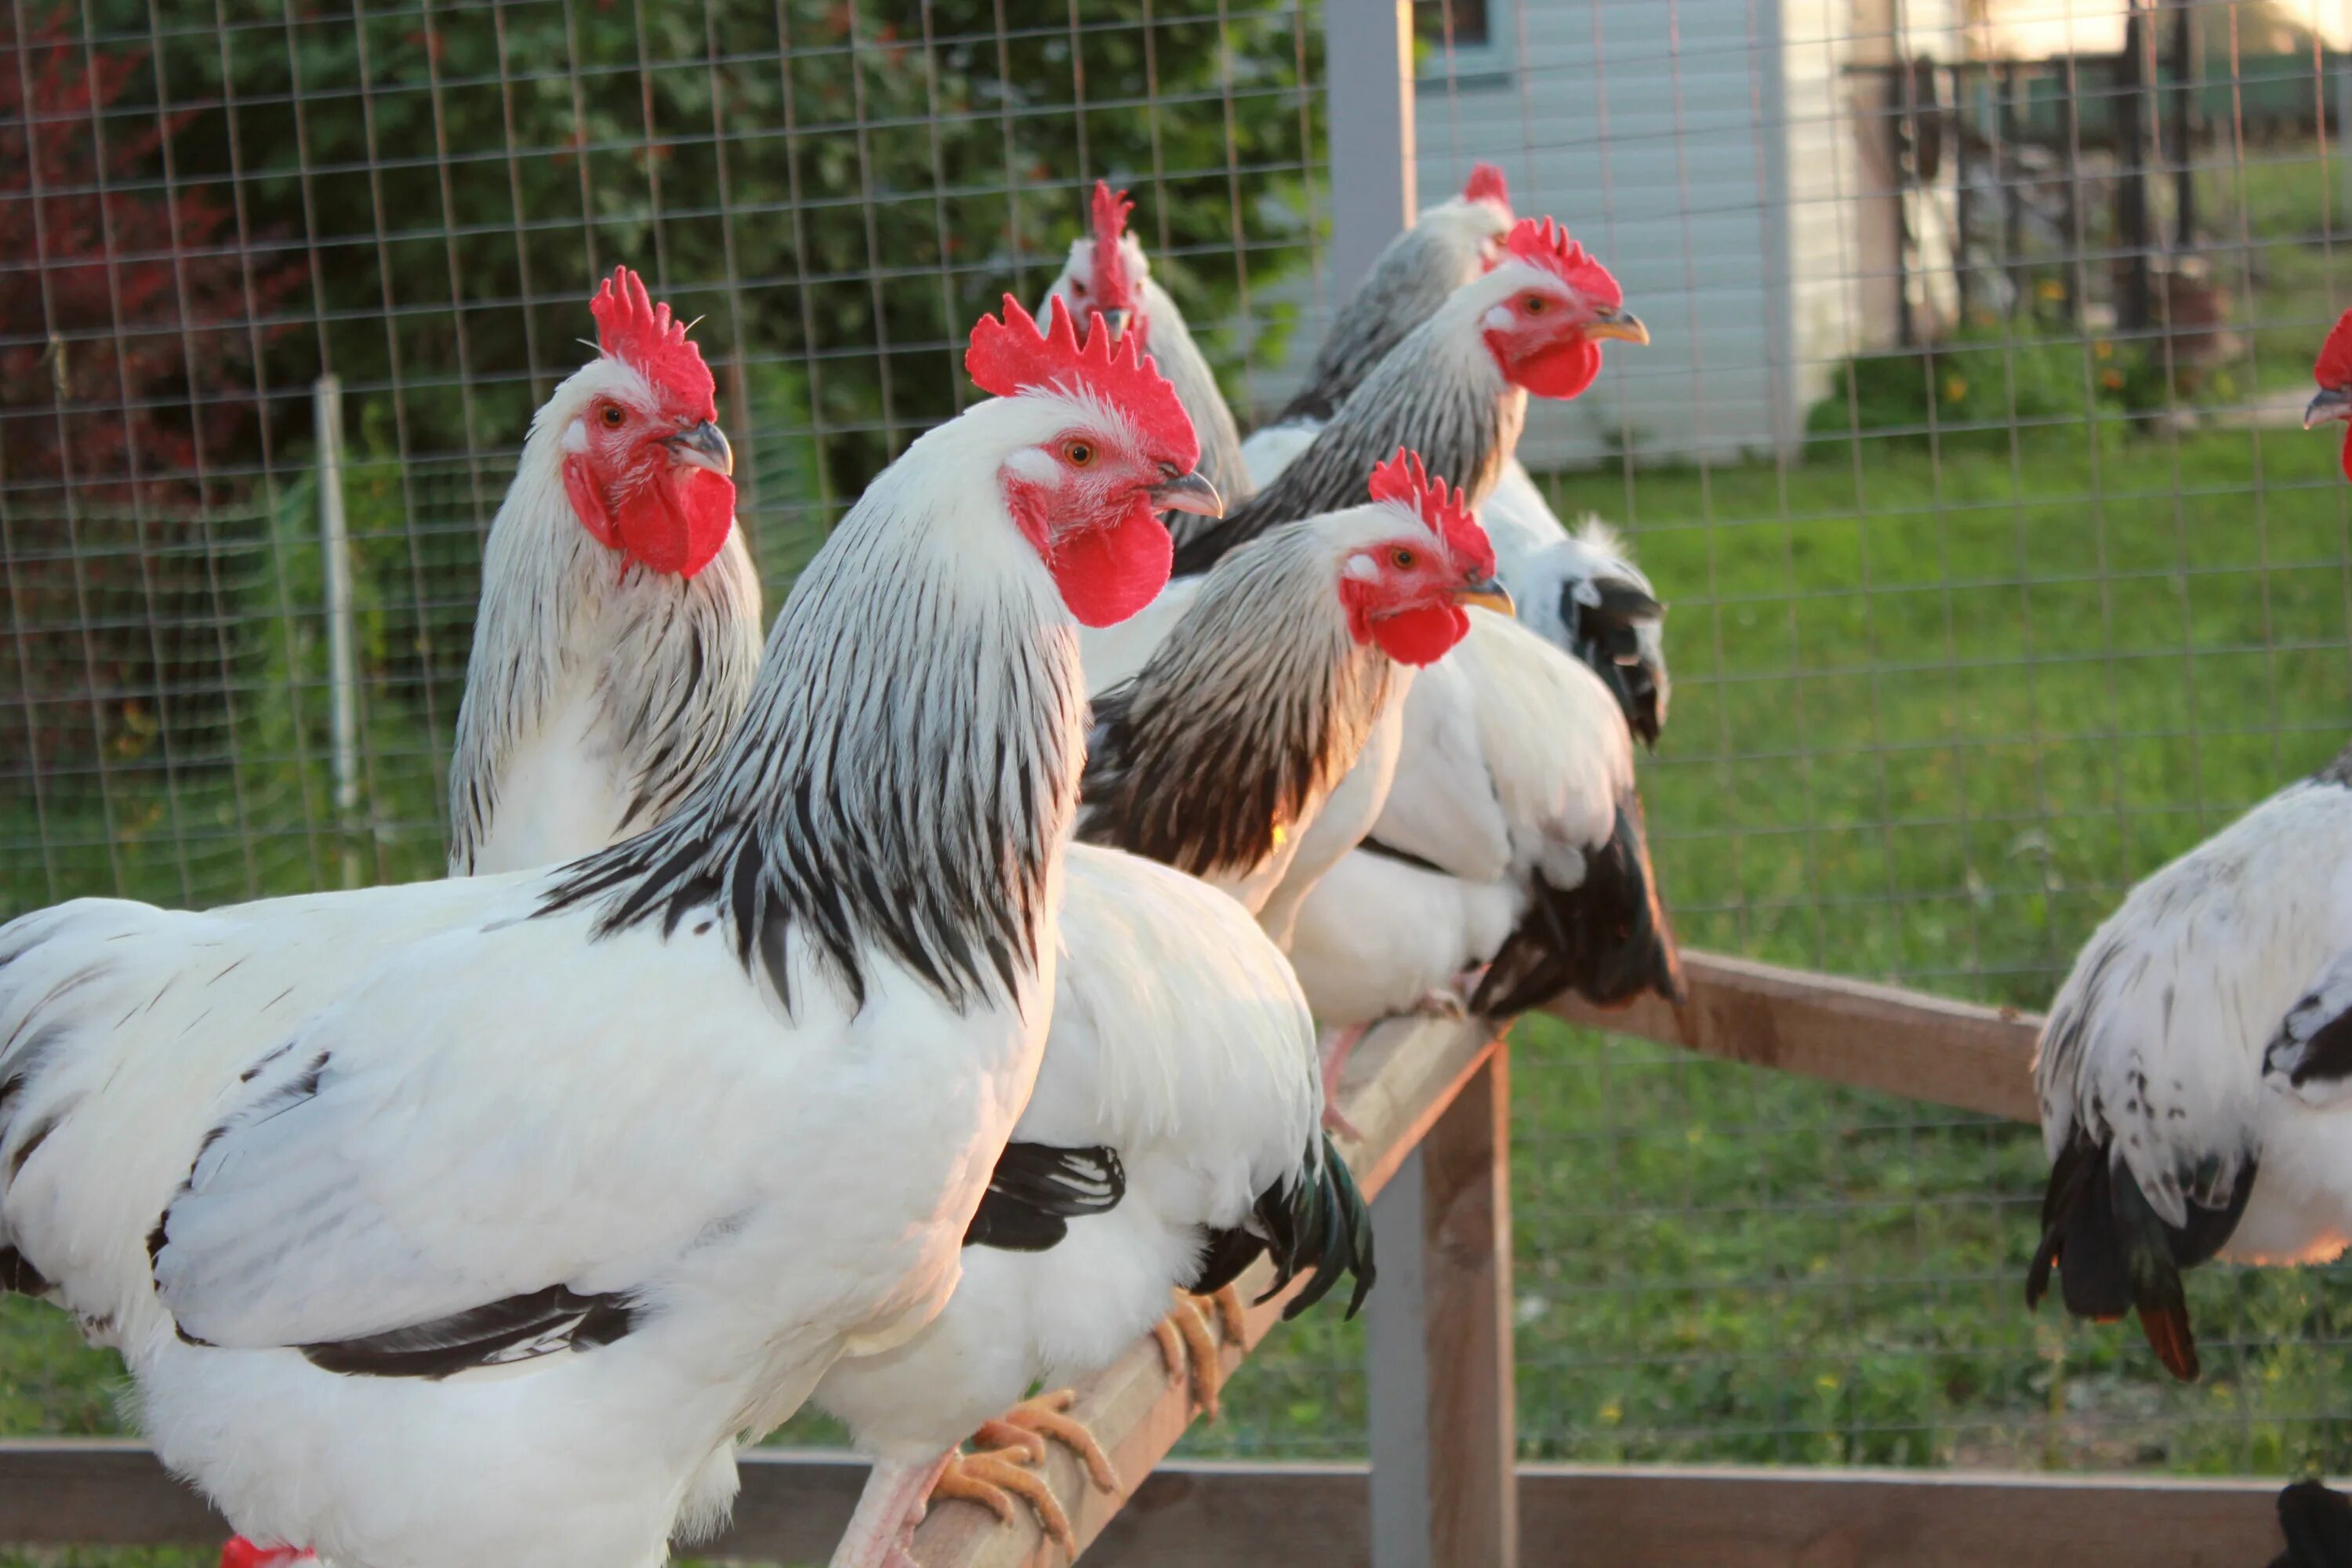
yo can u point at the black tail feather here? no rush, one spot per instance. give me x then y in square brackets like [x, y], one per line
[1607, 939]
[2114, 1253]
[1317, 1221]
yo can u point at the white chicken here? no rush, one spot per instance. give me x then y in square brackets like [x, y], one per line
[1108, 271]
[1511, 839]
[472, 1222]
[619, 629]
[1173, 1130]
[2193, 1067]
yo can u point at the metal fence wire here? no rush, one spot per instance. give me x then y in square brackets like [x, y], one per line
[1964, 451]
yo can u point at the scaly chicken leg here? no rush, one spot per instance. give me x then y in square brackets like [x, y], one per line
[1027, 1425]
[1189, 1346]
[992, 1478]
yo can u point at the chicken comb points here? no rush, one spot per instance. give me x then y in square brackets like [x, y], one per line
[1114, 284]
[1487, 184]
[1541, 242]
[1403, 480]
[1009, 355]
[2334, 366]
[631, 328]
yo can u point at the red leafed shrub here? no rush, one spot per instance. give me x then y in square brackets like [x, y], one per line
[128, 406]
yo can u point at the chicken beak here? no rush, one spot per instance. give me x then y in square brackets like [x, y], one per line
[1622, 325]
[1192, 493]
[1116, 321]
[1487, 594]
[2334, 402]
[703, 446]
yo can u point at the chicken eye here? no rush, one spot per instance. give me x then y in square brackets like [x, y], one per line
[1077, 288]
[1535, 305]
[614, 416]
[1401, 558]
[1077, 454]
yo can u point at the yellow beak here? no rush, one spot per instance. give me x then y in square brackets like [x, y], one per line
[1619, 324]
[1487, 594]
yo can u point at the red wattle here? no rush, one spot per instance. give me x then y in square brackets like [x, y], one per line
[239, 1552]
[1558, 370]
[678, 526]
[1105, 574]
[1420, 635]
[2346, 457]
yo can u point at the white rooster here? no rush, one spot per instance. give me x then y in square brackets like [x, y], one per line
[1108, 271]
[2194, 1064]
[1173, 1132]
[472, 1222]
[619, 629]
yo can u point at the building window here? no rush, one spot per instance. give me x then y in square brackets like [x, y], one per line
[1470, 26]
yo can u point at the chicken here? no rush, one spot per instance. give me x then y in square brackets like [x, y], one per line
[1448, 246]
[1455, 390]
[2192, 1068]
[417, 1253]
[1223, 756]
[618, 635]
[1107, 272]
[619, 629]
[1173, 1130]
[1511, 838]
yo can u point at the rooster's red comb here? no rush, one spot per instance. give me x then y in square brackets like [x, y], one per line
[1010, 356]
[2334, 366]
[630, 327]
[1404, 480]
[1486, 184]
[1114, 284]
[1540, 242]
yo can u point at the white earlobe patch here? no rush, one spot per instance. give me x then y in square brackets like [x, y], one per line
[1498, 318]
[1035, 465]
[1362, 569]
[575, 435]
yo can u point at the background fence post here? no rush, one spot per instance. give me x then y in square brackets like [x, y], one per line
[343, 661]
[1443, 1433]
[1368, 104]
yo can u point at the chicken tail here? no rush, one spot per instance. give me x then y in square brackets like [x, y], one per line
[1607, 939]
[2114, 1253]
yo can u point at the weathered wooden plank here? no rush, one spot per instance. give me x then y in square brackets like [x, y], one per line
[96, 1492]
[1192, 1514]
[1400, 1082]
[1845, 1031]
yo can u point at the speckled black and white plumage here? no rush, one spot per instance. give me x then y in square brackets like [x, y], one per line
[2192, 1101]
[1212, 755]
[810, 851]
[598, 691]
[1440, 393]
[1445, 247]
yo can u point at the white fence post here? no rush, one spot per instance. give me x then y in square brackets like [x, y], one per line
[342, 657]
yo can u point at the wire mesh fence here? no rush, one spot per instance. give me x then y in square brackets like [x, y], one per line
[1964, 451]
